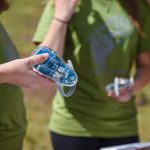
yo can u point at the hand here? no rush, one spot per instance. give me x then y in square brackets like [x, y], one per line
[121, 89]
[19, 72]
[64, 9]
[124, 95]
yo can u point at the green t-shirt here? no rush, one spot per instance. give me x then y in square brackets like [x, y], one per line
[12, 112]
[102, 43]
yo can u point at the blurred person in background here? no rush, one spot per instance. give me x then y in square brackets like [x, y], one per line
[15, 72]
[103, 38]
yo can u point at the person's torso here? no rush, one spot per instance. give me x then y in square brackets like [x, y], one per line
[12, 111]
[101, 42]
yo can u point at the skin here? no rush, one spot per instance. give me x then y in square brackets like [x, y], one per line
[19, 72]
[64, 10]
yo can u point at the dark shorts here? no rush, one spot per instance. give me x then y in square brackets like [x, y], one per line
[61, 142]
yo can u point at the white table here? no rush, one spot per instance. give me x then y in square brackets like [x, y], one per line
[133, 146]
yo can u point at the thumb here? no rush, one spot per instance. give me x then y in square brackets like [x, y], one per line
[36, 59]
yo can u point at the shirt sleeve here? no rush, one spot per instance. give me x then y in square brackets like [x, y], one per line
[144, 39]
[44, 23]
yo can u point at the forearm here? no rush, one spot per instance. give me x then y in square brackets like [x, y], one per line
[143, 72]
[19, 72]
[1, 75]
[4, 72]
[142, 79]
[55, 37]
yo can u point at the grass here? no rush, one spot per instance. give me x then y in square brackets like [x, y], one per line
[21, 21]
[144, 115]
[144, 122]
[37, 136]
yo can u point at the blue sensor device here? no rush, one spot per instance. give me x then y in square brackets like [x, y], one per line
[56, 69]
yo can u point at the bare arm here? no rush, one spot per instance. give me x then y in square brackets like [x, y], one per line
[19, 72]
[143, 72]
[55, 37]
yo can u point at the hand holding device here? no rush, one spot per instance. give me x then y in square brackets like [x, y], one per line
[120, 89]
[57, 70]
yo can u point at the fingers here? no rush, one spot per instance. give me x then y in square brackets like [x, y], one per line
[37, 59]
[124, 96]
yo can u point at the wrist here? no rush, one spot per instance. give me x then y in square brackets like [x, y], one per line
[63, 21]
[5, 74]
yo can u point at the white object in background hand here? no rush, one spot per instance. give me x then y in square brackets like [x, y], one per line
[120, 89]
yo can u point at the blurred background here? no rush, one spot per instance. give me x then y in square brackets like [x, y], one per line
[21, 21]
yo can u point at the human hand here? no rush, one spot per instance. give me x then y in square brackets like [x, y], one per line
[19, 72]
[64, 9]
[121, 89]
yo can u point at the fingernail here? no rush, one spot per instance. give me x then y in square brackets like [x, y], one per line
[45, 54]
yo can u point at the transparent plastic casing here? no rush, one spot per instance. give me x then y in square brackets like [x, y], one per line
[55, 66]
